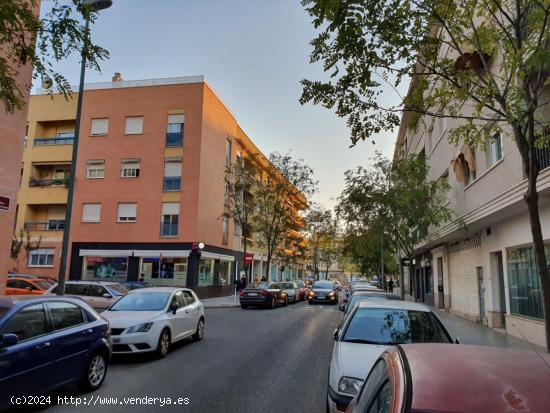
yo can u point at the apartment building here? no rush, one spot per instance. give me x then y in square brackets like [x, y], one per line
[151, 175]
[481, 264]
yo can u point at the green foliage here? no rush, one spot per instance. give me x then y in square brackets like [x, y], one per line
[20, 242]
[27, 39]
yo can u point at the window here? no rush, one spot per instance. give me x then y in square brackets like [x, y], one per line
[172, 175]
[189, 299]
[175, 123]
[225, 230]
[41, 257]
[227, 192]
[525, 289]
[178, 299]
[65, 315]
[225, 272]
[134, 125]
[430, 138]
[99, 127]
[105, 268]
[228, 153]
[206, 272]
[377, 374]
[95, 169]
[91, 212]
[127, 212]
[170, 219]
[97, 291]
[28, 323]
[76, 289]
[130, 168]
[495, 144]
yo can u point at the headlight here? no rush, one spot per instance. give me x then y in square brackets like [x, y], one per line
[311, 293]
[349, 385]
[332, 293]
[140, 328]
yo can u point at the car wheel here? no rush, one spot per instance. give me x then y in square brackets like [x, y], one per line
[199, 334]
[273, 303]
[95, 373]
[244, 306]
[163, 346]
[285, 302]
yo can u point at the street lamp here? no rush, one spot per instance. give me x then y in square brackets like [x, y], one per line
[90, 6]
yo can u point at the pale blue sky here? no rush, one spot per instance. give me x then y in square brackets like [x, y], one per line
[254, 54]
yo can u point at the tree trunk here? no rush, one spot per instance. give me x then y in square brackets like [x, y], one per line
[401, 279]
[244, 259]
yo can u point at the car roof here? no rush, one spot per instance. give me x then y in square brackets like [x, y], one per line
[394, 304]
[11, 300]
[483, 379]
[158, 290]
[90, 282]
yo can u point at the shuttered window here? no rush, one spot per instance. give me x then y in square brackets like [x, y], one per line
[127, 212]
[99, 127]
[134, 125]
[91, 212]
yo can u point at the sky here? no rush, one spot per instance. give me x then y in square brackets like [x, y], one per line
[254, 54]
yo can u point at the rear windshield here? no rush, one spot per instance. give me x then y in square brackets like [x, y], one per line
[259, 285]
[286, 285]
[391, 326]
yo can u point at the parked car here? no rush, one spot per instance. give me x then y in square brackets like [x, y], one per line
[265, 294]
[40, 277]
[134, 285]
[291, 290]
[338, 285]
[323, 291]
[366, 332]
[303, 290]
[98, 294]
[464, 378]
[152, 319]
[48, 342]
[26, 286]
[367, 295]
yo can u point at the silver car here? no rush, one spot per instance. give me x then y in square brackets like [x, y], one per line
[97, 294]
[291, 289]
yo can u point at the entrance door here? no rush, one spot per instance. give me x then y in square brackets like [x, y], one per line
[418, 286]
[440, 282]
[428, 286]
[481, 291]
[502, 297]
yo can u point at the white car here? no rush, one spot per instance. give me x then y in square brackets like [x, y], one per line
[151, 319]
[366, 332]
[291, 289]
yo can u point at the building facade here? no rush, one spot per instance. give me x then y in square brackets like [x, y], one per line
[480, 265]
[151, 173]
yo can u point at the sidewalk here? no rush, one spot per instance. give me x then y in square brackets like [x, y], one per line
[229, 301]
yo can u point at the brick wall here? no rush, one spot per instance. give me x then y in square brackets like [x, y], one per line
[463, 282]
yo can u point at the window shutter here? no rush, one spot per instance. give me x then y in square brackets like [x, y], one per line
[134, 125]
[176, 118]
[100, 126]
[172, 168]
[91, 212]
[127, 211]
[170, 208]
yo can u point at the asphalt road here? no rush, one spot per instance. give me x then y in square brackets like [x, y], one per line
[253, 360]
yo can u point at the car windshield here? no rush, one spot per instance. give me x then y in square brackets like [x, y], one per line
[287, 286]
[118, 289]
[150, 301]
[43, 285]
[393, 326]
[259, 285]
[323, 285]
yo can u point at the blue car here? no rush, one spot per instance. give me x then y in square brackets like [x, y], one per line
[47, 342]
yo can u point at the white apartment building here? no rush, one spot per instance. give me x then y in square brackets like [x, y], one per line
[480, 265]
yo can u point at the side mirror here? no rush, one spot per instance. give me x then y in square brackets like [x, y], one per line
[335, 334]
[107, 295]
[457, 341]
[7, 340]
[342, 307]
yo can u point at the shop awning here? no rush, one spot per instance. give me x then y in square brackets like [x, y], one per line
[162, 253]
[105, 253]
[220, 257]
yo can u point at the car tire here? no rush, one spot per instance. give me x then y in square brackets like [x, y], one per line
[244, 306]
[94, 375]
[199, 334]
[273, 303]
[163, 346]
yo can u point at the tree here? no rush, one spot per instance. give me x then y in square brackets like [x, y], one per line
[363, 247]
[280, 193]
[239, 199]
[27, 39]
[330, 248]
[393, 201]
[22, 242]
[484, 62]
[318, 220]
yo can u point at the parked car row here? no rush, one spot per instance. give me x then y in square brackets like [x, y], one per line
[65, 339]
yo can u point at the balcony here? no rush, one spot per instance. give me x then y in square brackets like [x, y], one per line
[171, 184]
[543, 157]
[174, 139]
[49, 182]
[169, 229]
[66, 140]
[51, 225]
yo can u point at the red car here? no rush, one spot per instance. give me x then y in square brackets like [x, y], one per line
[302, 290]
[463, 378]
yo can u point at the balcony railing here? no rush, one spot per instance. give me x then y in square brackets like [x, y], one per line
[66, 140]
[174, 139]
[168, 229]
[543, 157]
[171, 183]
[49, 182]
[51, 225]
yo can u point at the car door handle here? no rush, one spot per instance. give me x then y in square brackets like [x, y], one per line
[87, 332]
[43, 346]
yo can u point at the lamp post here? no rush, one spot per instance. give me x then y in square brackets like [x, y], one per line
[90, 6]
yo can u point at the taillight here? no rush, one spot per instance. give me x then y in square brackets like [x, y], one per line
[265, 293]
[242, 293]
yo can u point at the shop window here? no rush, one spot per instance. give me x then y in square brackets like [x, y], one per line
[225, 272]
[165, 270]
[105, 268]
[206, 272]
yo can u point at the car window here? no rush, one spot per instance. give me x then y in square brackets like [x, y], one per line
[65, 314]
[97, 291]
[11, 284]
[26, 284]
[150, 301]
[324, 285]
[178, 299]
[394, 326]
[75, 289]
[27, 323]
[382, 400]
[44, 285]
[377, 374]
[189, 299]
[274, 286]
[119, 290]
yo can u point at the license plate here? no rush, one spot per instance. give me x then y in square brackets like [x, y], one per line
[252, 294]
[116, 340]
[321, 296]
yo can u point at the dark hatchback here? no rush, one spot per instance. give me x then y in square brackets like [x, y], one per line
[323, 291]
[265, 294]
[48, 342]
